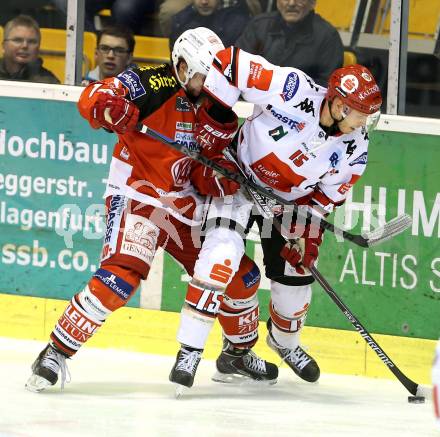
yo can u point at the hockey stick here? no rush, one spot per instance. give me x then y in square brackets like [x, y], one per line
[410, 385]
[377, 236]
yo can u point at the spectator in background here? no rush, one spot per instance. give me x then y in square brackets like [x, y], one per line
[227, 23]
[126, 13]
[113, 54]
[295, 36]
[21, 48]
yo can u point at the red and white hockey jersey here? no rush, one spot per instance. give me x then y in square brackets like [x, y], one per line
[282, 145]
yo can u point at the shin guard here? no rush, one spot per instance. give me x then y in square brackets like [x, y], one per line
[109, 289]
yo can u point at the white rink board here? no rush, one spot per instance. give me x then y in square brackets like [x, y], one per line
[66, 93]
[115, 393]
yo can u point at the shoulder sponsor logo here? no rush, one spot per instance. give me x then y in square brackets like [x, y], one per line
[158, 81]
[182, 105]
[298, 125]
[361, 159]
[120, 287]
[290, 87]
[133, 83]
[349, 83]
[259, 77]
[182, 125]
[307, 106]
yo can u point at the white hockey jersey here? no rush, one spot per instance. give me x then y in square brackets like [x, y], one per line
[282, 146]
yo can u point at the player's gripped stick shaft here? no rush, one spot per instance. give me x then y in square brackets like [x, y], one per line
[377, 236]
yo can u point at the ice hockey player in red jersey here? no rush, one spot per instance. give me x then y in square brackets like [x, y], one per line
[305, 143]
[155, 197]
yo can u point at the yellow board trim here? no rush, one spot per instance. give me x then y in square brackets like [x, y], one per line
[152, 331]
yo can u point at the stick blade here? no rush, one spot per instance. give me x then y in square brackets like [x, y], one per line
[389, 230]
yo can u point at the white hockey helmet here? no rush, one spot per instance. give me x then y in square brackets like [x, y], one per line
[197, 47]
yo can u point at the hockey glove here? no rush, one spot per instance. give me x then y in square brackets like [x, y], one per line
[212, 135]
[115, 113]
[305, 252]
[215, 184]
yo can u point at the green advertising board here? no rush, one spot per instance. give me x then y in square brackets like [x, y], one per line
[52, 177]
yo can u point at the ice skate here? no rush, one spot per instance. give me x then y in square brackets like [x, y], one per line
[298, 360]
[45, 370]
[243, 366]
[184, 369]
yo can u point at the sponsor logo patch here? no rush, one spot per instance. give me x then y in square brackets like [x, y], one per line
[133, 83]
[140, 238]
[186, 139]
[349, 83]
[116, 284]
[182, 125]
[259, 77]
[298, 125]
[361, 159]
[251, 278]
[182, 105]
[158, 81]
[290, 87]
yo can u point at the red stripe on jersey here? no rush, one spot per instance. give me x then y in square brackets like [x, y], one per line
[345, 187]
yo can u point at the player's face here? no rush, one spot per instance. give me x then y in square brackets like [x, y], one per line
[293, 11]
[112, 56]
[206, 7]
[21, 45]
[352, 120]
[195, 84]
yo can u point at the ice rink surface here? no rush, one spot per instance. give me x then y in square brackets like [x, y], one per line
[117, 393]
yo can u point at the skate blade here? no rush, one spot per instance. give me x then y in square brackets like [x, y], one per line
[236, 379]
[180, 390]
[37, 384]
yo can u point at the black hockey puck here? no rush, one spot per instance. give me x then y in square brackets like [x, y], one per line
[416, 399]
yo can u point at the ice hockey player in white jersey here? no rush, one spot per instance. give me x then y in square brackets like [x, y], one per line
[303, 142]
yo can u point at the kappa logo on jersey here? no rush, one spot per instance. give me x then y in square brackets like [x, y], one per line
[293, 124]
[361, 159]
[290, 86]
[182, 105]
[133, 83]
[158, 81]
[259, 77]
[278, 133]
[115, 283]
[186, 139]
[306, 106]
[312, 84]
[351, 147]
[182, 125]
[181, 170]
